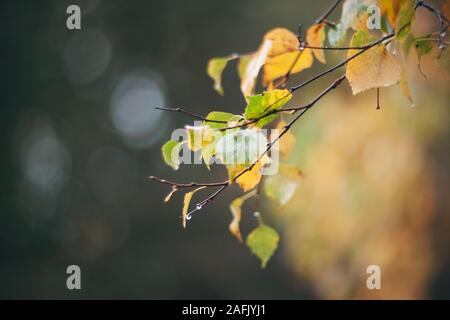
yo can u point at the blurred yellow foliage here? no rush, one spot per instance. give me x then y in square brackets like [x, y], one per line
[367, 197]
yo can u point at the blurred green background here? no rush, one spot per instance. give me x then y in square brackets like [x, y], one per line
[80, 136]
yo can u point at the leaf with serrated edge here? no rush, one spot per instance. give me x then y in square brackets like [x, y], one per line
[374, 68]
[263, 241]
[261, 104]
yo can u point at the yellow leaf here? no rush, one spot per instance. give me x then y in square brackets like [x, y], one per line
[404, 86]
[199, 137]
[250, 70]
[390, 8]
[186, 202]
[279, 66]
[249, 179]
[282, 40]
[287, 142]
[236, 211]
[315, 36]
[374, 68]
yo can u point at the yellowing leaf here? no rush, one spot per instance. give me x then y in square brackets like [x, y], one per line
[263, 241]
[236, 211]
[261, 104]
[374, 68]
[315, 36]
[250, 71]
[170, 151]
[249, 179]
[277, 53]
[282, 186]
[404, 19]
[215, 69]
[390, 8]
[286, 143]
[186, 202]
[199, 136]
[282, 40]
[404, 86]
[279, 66]
[220, 116]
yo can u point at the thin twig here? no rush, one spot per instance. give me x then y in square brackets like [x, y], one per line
[443, 22]
[285, 129]
[186, 185]
[196, 116]
[300, 110]
[328, 12]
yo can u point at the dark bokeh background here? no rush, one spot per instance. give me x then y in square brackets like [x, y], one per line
[79, 136]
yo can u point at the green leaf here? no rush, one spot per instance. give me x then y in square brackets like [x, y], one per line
[170, 152]
[423, 47]
[215, 69]
[282, 186]
[241, 147]
[408, 42]
[404, 19]
[263, 241]
[261, 104]
[220, 116]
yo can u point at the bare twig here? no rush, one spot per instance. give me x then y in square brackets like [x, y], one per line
[189, 114]
[443, 22]
[328, 12]
[299, 111]
[284, 130]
